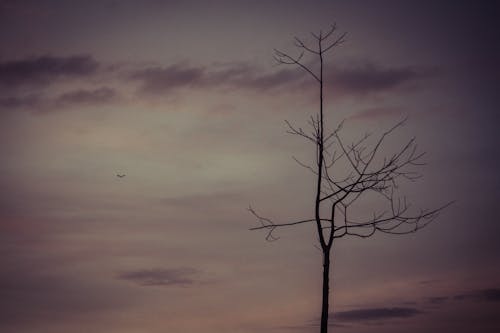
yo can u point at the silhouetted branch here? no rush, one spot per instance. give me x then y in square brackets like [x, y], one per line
[270, 226]
[285, 59]
[363, 177]
[345, 173]
[363, 171]
[299, 131]
[299, 43]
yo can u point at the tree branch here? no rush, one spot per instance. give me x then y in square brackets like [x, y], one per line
[286, 59]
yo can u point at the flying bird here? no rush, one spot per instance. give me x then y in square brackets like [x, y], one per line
[120, 175]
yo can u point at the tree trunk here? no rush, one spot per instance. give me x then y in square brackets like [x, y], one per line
[326, 287]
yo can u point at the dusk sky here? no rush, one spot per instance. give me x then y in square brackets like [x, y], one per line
[186, 100]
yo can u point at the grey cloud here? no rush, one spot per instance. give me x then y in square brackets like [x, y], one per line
[82, 96]
[157, 80]
[488, 295]
[369, 78]
[491, 295]
[363, 79]
[312, 326]
[262, 82]
[160, 80]
[162, 277]
[20, 102]
[437, 299]
[43, 69]
[39, 290]
[482, 295]
[375, 314]
[358, 81]
[429, 282]
[376, 112]
[40, 103]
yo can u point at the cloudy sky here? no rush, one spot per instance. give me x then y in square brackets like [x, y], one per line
[184, 97]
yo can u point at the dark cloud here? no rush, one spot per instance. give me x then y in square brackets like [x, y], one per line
[437, 299]
[82, 96]
[43, 69]
[369, 78]
[491, 295]
[483, 295]
[364, 79]
[40, 103]
[37, 72]
[377, 112]
[315, 324]
[20, 102]
[161, 277]
[358, 80]
[263, 82]
[375, 314]
[429, 282]
[160, 80]
[487, 295]
[36, 289]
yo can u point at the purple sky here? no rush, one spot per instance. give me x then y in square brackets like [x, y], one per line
[185, 99]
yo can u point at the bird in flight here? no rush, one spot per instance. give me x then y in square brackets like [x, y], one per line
[120, 175]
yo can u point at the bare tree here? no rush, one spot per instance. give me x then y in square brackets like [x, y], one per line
[368, 173]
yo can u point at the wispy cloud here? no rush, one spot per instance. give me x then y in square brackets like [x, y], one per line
[437, 299]
[85, 97]
[40, 73]
[161, 80]
[162, 276]
[34, 291]
[165, 79]
[284, 78]
[369, 78]
[363, 79]
[480, 295]
[66, 101]
[488, 295]
[376, 112]
[382, 315]
[40, 70]
[375, 314]
[30, 101]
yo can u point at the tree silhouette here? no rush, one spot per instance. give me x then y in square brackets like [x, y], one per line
[347, 173]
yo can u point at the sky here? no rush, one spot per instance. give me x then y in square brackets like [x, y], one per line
[186, 100]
